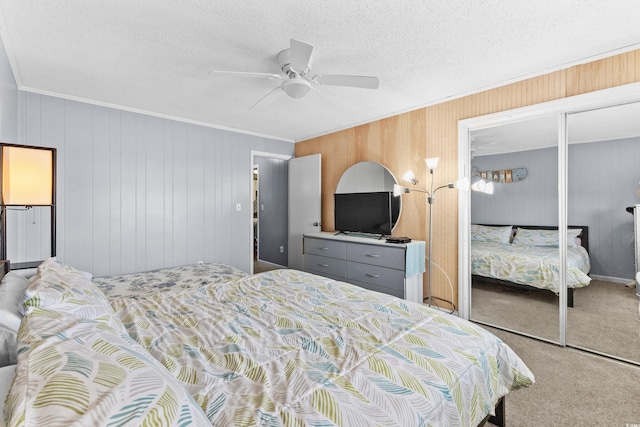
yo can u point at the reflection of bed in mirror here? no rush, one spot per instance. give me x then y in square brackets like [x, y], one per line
[527, 256]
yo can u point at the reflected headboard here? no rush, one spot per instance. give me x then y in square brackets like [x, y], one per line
[584, 236]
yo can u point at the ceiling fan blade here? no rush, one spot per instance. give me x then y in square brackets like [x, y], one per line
[366, 82]
[248, 74]
[265, 97]
[300, 56]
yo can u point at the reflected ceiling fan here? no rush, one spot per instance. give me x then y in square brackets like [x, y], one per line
[297, 78]
[478, 146]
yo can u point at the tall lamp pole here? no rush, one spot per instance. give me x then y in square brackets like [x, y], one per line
[461, 184]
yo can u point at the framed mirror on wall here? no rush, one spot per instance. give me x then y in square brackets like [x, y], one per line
[365, 177]
[28, 204]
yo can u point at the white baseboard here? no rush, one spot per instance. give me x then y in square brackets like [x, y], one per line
[621, 280]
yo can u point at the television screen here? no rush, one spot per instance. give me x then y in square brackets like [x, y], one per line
[363, 212]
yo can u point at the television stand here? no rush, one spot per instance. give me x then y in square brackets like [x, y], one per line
[359, 234]
[369, 263]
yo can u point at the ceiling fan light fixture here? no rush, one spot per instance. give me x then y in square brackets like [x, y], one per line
[296, 87]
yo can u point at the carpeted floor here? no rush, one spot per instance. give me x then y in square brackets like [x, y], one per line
[261, 266]
[573, 388]
[604, 317]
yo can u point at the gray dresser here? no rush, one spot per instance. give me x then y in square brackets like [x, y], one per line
[366, 262]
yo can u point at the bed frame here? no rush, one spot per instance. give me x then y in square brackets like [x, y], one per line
[498, 419]
[584, 241]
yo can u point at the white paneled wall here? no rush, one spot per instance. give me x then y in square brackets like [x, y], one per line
[137, 192]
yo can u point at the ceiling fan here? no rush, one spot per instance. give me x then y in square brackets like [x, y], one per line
[295, 63]
[477, 147]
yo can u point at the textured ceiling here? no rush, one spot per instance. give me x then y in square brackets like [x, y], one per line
[155, 56]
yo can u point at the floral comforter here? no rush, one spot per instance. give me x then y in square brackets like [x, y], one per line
[536, 266]
[167, 279]
[287, 348]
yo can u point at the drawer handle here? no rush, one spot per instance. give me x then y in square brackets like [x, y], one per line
[374, 255]
[323, 265]
[373, 275]
[323, 249]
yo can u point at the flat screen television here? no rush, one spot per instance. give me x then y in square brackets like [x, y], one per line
[364, 212]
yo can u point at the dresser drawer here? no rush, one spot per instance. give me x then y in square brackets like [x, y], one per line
[383, 279]
[325, 266]
[384, 256]
[322, 247]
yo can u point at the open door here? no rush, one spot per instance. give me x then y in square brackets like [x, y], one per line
[304, 204]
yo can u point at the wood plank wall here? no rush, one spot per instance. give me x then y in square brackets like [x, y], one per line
[402, 142]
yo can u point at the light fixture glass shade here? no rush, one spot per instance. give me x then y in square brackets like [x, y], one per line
[296, 87]
[399, 190]
[27, 176]
[409, 176]
[432, 163]
[462, 184]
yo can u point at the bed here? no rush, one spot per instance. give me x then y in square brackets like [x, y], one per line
[527, 256]
[281, 348]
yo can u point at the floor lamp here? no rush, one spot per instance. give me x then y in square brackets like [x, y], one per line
[27, 180]
[461, 184]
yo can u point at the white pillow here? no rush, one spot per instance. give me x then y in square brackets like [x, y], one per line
[491, 233]
[543, 237]
[12, 291]
[92, 375]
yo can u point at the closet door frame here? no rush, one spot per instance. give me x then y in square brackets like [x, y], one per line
[562, 107]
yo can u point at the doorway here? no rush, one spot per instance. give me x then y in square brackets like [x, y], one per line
[270, 220]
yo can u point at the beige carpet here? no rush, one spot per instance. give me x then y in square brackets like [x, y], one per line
[261, 266]
[604, 316]
[573, 388]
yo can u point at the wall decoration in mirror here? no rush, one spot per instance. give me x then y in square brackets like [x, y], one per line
[502, 175]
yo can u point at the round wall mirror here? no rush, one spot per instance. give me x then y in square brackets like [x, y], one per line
[367, 177]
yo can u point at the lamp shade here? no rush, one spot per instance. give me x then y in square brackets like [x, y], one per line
[27, 176]
[399, 190]
[409, 176]
[432, 163]
[482, 186]
[462, 184]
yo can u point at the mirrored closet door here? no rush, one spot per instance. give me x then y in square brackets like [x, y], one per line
[513, 256]
[603, 189]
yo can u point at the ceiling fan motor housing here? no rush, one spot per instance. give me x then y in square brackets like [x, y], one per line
[284, 61]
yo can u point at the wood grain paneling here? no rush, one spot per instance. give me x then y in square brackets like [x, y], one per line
[402, 142]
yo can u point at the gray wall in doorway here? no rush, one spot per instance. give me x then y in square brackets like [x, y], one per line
[273, 213]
